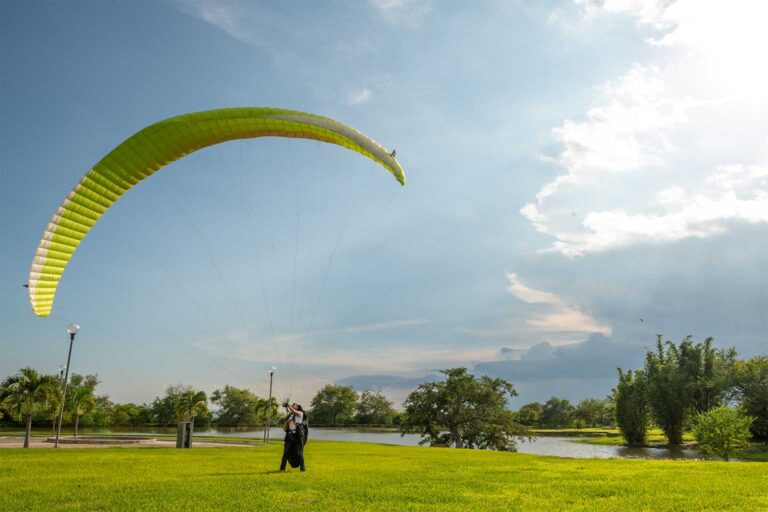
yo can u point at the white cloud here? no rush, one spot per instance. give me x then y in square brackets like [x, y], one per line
[530, 295]
[227, 16]
[560, 316]
[359, 96]
[407, 13]
[672, 150]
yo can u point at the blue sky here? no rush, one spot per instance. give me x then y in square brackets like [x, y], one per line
[581, 176]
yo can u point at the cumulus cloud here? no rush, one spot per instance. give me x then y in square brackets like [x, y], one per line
[596, 357]
[673, 149]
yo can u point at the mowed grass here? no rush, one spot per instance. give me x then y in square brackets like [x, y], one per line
[354, 477]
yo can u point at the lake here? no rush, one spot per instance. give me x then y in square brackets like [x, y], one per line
[558, 446]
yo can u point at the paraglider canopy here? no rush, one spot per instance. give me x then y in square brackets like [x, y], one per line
[153, 148]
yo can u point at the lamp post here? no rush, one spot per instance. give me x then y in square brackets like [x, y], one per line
[72, 329]
[61, 385]
[269, 406]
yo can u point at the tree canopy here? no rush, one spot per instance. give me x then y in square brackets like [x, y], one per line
[334, 405]
[463, 411]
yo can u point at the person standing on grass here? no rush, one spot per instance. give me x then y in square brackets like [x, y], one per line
[293, 449]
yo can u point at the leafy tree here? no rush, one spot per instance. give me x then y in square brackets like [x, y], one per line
[463, 411]
[631, 407]
[593, 412]
[373, 408]
[530, 414]
[750, 388]
[685, 379]
[28, 393]
[557, 412]
[121, 415]
[167, 410]
[722, 431]
[708, 372]
[334, 405]
[81, 396]
[240, 407]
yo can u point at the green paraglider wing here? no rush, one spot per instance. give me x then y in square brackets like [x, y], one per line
[153, 148]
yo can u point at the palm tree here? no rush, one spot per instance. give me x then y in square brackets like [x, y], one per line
[28, 394]
[190, 404]
[81, 396]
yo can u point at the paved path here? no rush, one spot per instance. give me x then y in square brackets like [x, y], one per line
[40, 442]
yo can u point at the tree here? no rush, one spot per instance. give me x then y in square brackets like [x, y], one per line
[28, 393]
[708, 372]
[631, 407]
[593, 412]
[722, 431]
[240, 407]
[464, 412]
[530, 414]
[121, 415]
[168, 411]
[373, 408]
[334, 405]
[557, 412]
[750, 388]
[685, 379]
[191, 403]
[81, 395]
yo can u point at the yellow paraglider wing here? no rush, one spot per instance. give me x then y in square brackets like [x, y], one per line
[153, 148]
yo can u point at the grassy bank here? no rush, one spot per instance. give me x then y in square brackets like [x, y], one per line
[350, 476]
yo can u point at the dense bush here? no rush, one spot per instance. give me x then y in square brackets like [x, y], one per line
[722, 431]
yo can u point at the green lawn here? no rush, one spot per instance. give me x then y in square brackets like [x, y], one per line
[350, 476]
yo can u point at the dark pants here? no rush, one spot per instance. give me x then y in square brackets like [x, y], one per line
[293, 450]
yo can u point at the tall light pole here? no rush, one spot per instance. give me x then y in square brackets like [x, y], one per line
[61, 385]
[72, 329]
[269, 405]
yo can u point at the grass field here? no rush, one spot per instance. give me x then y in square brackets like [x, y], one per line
[350, 476]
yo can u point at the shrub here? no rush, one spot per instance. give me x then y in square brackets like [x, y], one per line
[722, 431]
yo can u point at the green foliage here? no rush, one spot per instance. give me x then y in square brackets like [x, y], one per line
[530, 414]
[373, 408]
[365, 477]
[28, 393]
[464, 412]
[750, 388]
[685, 379]
[81, 397]
[631, 407]
[593, 412]
[722, 431]
[241, 407]
[557, 412]
[190, 404]
[333, 406]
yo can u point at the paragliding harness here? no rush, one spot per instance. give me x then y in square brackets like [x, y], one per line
[302, 429]
[299, 436]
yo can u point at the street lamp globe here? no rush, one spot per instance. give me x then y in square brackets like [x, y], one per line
[272, 370]
[73, 329]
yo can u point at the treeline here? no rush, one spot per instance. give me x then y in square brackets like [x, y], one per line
[29, 399]
[561, 413]
[337, 406]
[683, 387]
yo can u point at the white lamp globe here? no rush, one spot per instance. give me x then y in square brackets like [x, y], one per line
[73, 328]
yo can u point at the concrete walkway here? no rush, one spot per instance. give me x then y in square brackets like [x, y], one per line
[40, 442]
